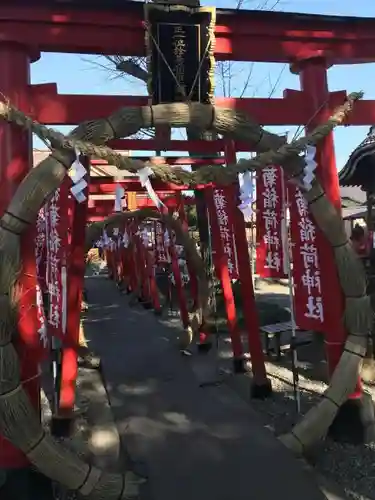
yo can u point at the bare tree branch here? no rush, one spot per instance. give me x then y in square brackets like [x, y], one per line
[276, 84]
[101, 64]
[225, 69]
[133, 69]
[132, 66]
[248, 79]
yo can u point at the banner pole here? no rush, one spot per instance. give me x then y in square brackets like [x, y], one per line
[287, 270]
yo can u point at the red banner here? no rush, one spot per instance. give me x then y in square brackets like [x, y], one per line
[57, 226]
[224, 202]
[161, 252]
[40, 256]
[317, 306]
[40, 246]
[270, 211]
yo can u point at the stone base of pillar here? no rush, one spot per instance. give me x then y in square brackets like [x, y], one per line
[62, 426]
[261, 390]
[355, 421]
[24, 484]
[239, 365]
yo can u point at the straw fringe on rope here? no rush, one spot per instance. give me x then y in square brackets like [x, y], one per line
[18, 421]
[225, 121]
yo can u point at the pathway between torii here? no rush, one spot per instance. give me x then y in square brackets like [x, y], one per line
[194, 443]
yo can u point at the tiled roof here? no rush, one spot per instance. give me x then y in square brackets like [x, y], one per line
[360, 167]
[353, 193]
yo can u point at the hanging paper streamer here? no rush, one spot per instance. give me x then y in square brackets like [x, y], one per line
[270, 210]
[310, 167]
[105, 239]
[116, 237]
[247, 194]
[126, 239]
[77, 190]
[145, 239]
[119, 194]
[144, 178]
[77, 172]
[167, 240]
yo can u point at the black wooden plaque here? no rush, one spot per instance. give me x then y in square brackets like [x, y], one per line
[180, 53]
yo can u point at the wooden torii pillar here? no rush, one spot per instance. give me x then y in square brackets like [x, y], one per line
[15, 163]
[316, 98]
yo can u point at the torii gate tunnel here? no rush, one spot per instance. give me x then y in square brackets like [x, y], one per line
[309, 43]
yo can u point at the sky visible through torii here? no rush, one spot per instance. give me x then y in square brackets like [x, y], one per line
[79, 74]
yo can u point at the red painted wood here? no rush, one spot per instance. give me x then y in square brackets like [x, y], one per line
[52, 108]
[194, 289]
[202, 147]
[15, 152]
[246, 281]
[96, 218]
[104, 208]
[173, 160]
[240, 35]
[314, 84]
[76, 271]
[197, 162]
[104, 185]
[222, 273]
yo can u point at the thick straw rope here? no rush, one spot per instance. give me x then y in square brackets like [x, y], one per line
[18, 420]
[127, 121]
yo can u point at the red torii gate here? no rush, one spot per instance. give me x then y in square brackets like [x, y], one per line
[104, 186]
[310, 43]
[99, 209]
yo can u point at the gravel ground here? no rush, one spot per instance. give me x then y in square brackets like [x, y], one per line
[351, 467]
[77, 442]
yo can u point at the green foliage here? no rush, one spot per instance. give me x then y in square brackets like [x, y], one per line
[192, 218]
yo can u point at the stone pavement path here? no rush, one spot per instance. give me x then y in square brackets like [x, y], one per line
[194, 443]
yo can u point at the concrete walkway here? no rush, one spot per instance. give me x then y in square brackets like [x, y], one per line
[194, 443]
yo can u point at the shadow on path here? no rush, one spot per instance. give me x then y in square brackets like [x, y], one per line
[192, 442]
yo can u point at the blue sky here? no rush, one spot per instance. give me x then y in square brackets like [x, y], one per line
[78, 74]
